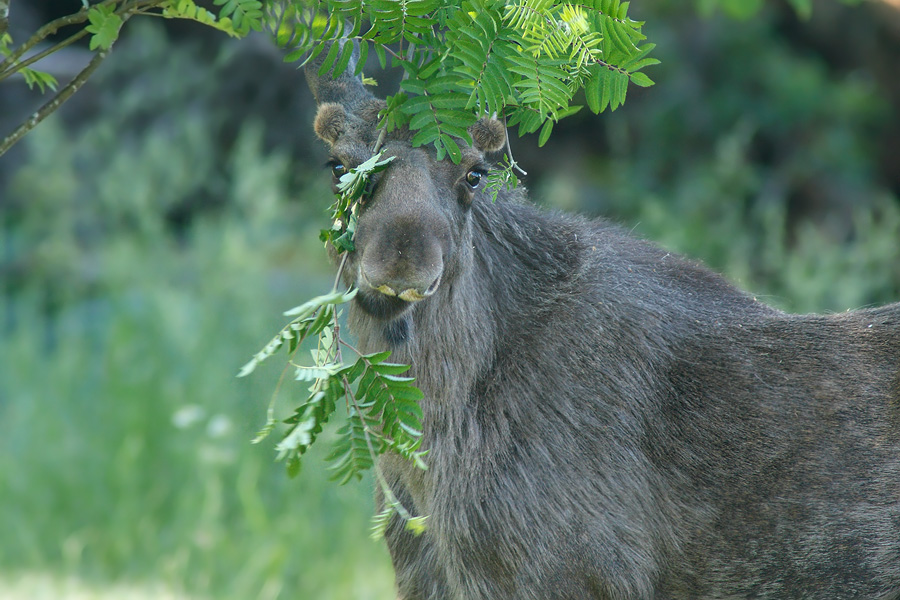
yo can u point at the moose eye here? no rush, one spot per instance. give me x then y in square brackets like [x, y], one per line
[474, 177]
[338, 169]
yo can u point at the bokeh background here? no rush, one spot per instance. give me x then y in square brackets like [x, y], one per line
[153, 231]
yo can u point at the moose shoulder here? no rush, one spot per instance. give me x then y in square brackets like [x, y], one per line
[606, 420]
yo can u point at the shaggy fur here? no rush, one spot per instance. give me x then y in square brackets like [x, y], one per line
[606, 420]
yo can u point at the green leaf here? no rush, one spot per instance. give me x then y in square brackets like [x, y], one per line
[293, 466]
[381, 521]
[40, 79]
[389, 368]
[245, 14]
[416, 525]
[187, 9]
[377, 357]
[302, 373]
[353, 371]
[350, 455]
[104, 25]
[342, 63]
[310, 306]
[329, 60]
[363, 57]
[641, 80]
[266, 429]
[452, 148]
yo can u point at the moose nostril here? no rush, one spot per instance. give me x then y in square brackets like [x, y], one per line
[433, 286]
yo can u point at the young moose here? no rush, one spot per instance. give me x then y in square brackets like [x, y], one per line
[605, 420]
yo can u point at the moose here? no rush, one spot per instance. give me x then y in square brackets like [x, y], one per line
[605, 420]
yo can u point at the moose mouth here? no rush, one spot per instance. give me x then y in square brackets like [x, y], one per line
[409, 294]
[379, 305]
[384, 302]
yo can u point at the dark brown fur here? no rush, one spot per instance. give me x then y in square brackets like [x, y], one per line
[606, 420]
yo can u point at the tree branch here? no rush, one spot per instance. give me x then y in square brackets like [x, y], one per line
[126, 11]
[11, 64]
[512, 162]
[47, 30]
[16, 67]
[48, 108]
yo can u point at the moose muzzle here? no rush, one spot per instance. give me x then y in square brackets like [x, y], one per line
[402, 257]
[409, 284]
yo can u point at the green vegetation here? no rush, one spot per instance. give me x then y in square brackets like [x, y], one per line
[147, 252]
[751, 154]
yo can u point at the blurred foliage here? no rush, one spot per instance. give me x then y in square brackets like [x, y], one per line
[751, 155]
[124, 435]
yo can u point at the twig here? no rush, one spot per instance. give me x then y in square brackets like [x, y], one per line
[16, 67]
[48, 108]
[47, 30]
[125, 12]
[512, 162]
[11, 65]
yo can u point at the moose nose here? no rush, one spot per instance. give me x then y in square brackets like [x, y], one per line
[402, 248]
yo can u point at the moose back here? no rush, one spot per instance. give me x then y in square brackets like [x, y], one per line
[604, 419]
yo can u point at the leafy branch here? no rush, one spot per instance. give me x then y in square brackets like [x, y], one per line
[103, 22]
[524, 60]
[382, 404]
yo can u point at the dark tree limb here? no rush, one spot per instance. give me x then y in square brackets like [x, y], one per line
[40, 56]
[51, 106]
[11, 65]
[47, 30]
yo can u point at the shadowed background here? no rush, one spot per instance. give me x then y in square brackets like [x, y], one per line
[152, 233]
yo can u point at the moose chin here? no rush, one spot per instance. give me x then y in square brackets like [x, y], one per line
[605, 420]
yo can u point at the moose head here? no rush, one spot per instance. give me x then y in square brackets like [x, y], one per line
[414, 223]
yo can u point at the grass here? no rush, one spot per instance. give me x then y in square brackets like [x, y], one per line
[41, 586]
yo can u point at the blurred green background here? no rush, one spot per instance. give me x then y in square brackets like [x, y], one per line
[152, 233]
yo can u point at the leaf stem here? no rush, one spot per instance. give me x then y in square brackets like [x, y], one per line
[354, 349]
[49, 29]
[512, 162]
[340, 271]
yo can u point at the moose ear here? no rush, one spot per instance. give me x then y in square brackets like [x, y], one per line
[330, 121]
[488, 135]
[346, 89]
